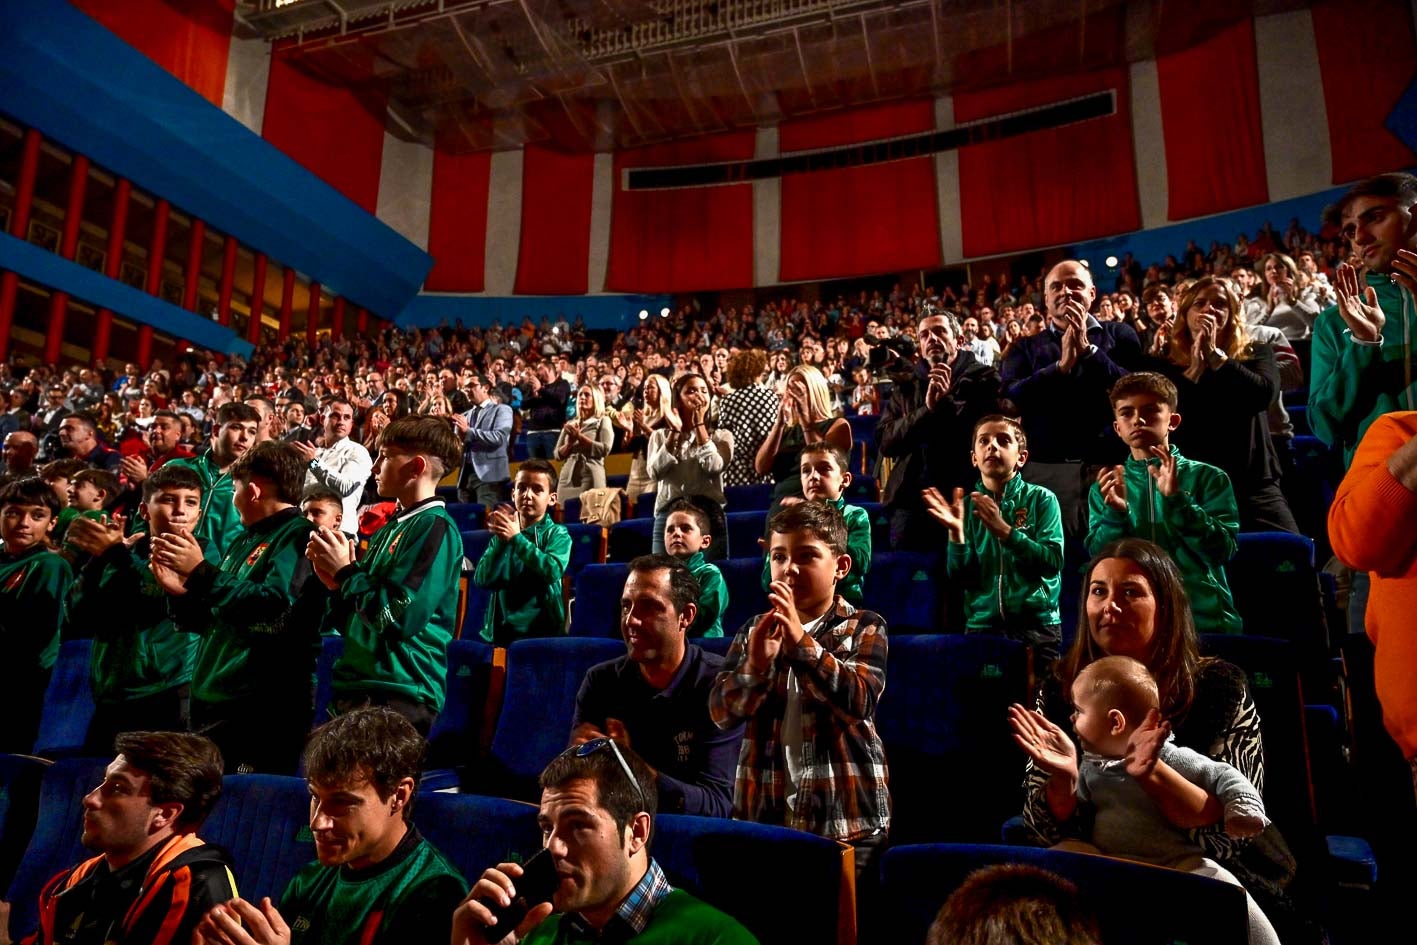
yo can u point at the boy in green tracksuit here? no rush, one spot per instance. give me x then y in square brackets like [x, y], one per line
[93, 493]
[57, 475]
[220, 524]
[33, 582]
[1005, 542]
[825, 478]
[397, 607]
[1186, 507]
[525, 561]
[141, 667]
[686, 535]
[259, 622]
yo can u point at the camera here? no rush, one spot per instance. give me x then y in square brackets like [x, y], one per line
[891, 355]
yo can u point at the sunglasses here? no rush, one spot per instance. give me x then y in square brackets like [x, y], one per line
[586, 749]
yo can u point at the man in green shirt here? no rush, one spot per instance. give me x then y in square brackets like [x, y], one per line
[597, 813]
[376, 881]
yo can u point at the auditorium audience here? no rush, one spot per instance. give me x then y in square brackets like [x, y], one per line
[688, 462]
[805, 417]
[583, 444]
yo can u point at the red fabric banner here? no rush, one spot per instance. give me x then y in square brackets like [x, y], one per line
[554, 257]
[860, 220]
[457, 222]
[1367, 56]
[1210, 107]
[1050, 187]
[192, 43]
[687, 239]
[326, 129]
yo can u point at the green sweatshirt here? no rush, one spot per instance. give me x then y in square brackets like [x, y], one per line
[858, 545]
[32, 588]
[1352, 384]
[1197, 527]
[255, 639]
[397, 607]
[220, 524]
[524, 575]
[1015, 580]
[678, 919]
[713, 597]
[136, 650]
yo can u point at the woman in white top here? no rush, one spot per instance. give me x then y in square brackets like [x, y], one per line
[642, 414]
[583, 445]
[689, 462]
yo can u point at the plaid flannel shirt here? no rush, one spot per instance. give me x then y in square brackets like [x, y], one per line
[841, 672]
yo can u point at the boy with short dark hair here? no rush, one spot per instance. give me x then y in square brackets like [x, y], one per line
[93, 493]
[140, 669]
[686, 535]
[525, 561]
[32, 586]
[805, 677]
[826, 475]
[1186, 507]
[397, 607]
[324, 507]
[251, 688]
[233, 433]
[57, 476]
[1005, 542]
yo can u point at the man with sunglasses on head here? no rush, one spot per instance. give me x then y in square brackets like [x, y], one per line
[597, 814]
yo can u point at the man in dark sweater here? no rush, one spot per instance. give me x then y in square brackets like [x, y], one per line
[376, 881]
[1058, 380]
[656, 695]
[544, 406]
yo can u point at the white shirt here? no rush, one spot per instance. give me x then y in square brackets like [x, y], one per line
[344, 467]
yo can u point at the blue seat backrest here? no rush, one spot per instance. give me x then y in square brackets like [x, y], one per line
[571, 511]
[1134, 903]
[744, 530]
[474, 543]
[20, 777]
[630, 538]
[585, 546]
[644, 505]
[757, 495]
[738, 867]
[863, 488]
[945, 708]
[55, 843]
[475, 832]
[1276, 588]
[743, 577]
[863, 429]
[904, 588]
[619, 481]
[543, 676]
[455, 734]
[331, 649]
[468, 515]
[68, 702]
[596, 611]
[263, 821]
[716, 645]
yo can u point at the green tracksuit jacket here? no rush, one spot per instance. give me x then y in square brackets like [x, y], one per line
[858, 545]
[397, 607]
[524, 575]
[255, 639]
[1014, 581]
[136, 650]
[32, 588]
[1351, 384]
[1197, 527]
[713, 596]
[220, 524]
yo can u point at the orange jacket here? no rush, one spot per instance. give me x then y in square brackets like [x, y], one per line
[1373, 527]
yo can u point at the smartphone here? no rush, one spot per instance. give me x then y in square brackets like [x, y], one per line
[537, 884]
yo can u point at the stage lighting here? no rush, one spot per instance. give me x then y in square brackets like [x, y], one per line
[664, 312]
[1111, 262]
[644, 313]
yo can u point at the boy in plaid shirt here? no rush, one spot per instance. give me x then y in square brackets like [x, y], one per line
[805, 677]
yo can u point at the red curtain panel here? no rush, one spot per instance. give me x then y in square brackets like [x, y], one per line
[860, 220]
[555, 241]
[1367, 57]
[684, 239]
[191, 43]
[334, 133]
[1210, 114]
[457, 222]
[1055, 186]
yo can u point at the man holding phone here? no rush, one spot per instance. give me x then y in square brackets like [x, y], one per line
[376, 879]
[597, 813]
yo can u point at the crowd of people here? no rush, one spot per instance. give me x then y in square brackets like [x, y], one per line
[207, 521]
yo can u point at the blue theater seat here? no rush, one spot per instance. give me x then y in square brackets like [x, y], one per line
[475, 832]
[1134, 903]
[587, 546]
[630, 538]
[904, 588]
[469, 516]
[475, 678]
[743, 577]
[543, 676]
[747, 498]
[644, 505]
[263, 821]
[740, 868]
[474, 543]
[945, 708]
[880, 525]
[716, 645]
[744, 530]
[1276, 589]
[68, 702]
[20, 777]
[571, 511]
[331, 649]
[596, 609]
[863, 488]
